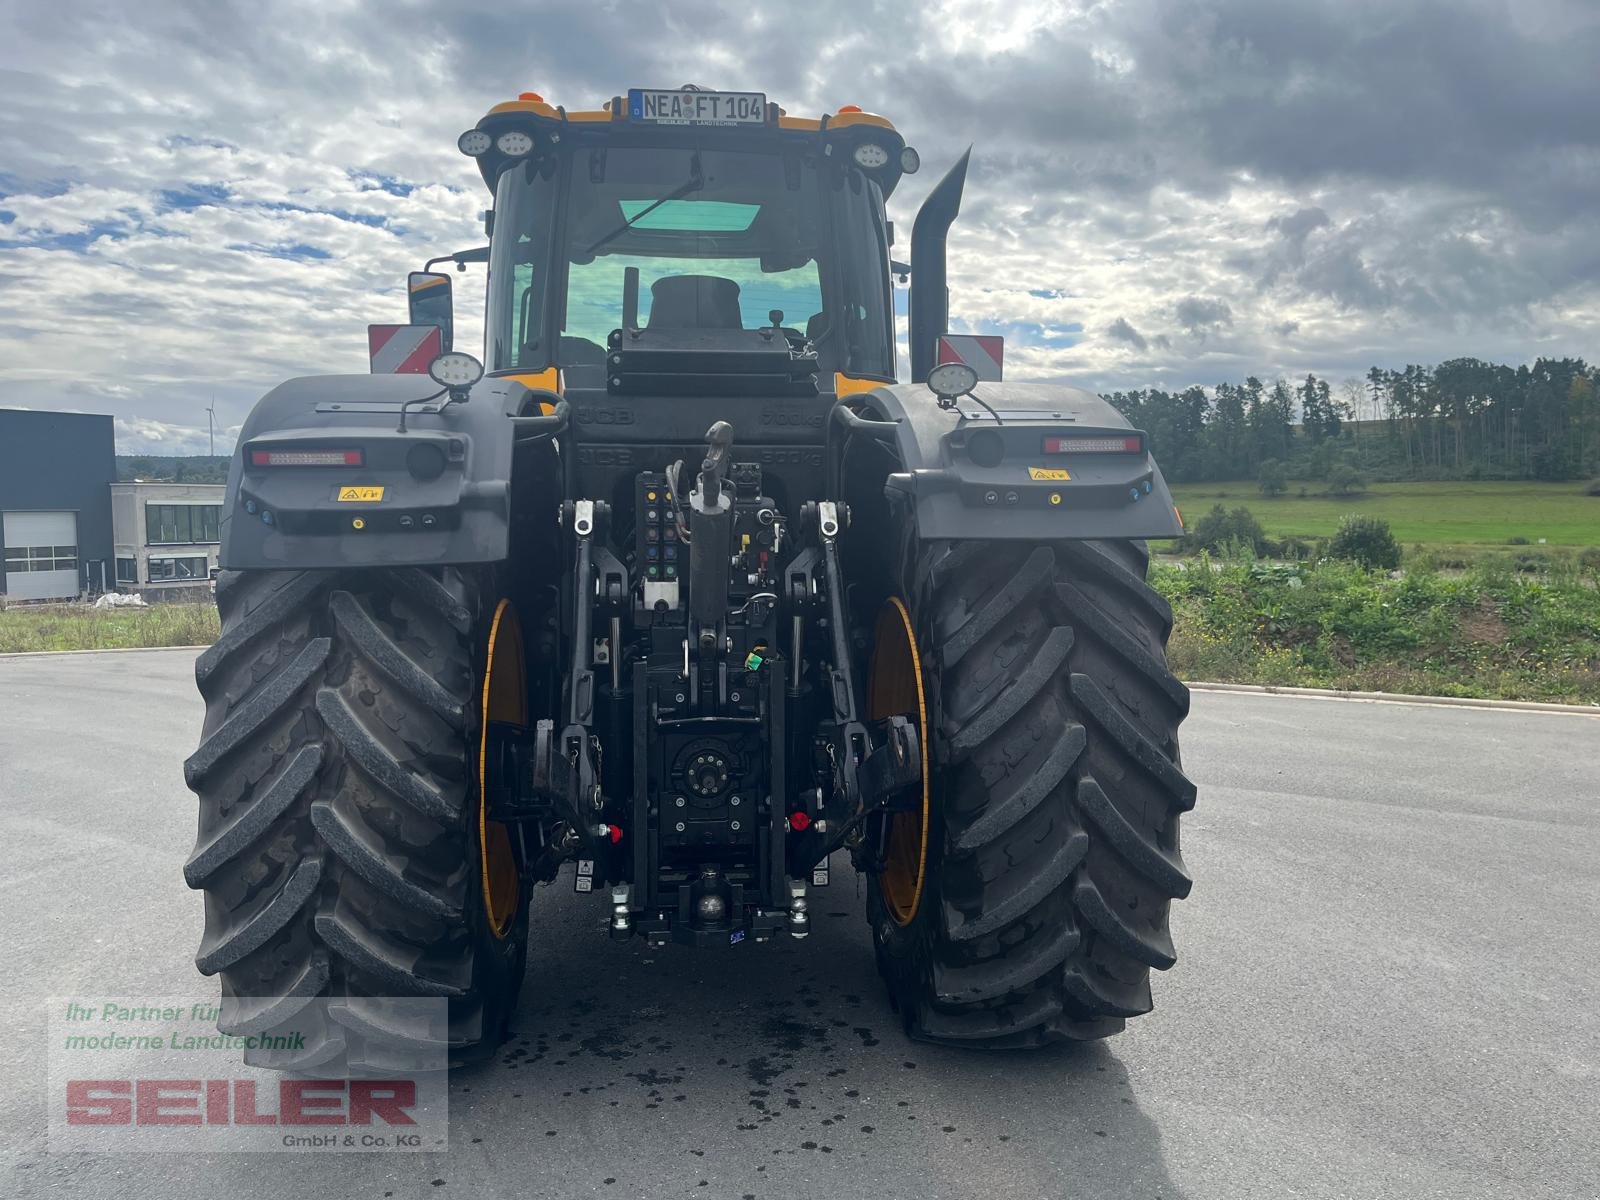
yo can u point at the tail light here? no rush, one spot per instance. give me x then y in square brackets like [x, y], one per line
[306, 458]
[1131, 443]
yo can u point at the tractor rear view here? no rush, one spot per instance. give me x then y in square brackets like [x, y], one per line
[685, 601]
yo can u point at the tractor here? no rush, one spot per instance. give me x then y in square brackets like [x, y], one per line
[678, 598]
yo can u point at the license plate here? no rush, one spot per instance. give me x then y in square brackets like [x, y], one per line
[697, 108]
[1053, 474]
[360, 495]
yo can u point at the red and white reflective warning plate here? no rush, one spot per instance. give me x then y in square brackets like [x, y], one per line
[983, 352]
[403, 349]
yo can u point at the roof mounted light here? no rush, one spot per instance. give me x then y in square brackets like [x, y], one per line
[474, 142]
[910, 160]
[870, 155]
[514, 143]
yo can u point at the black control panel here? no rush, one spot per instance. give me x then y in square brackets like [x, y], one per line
[661, 553]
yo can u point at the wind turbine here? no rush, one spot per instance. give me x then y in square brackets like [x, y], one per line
[211, 433]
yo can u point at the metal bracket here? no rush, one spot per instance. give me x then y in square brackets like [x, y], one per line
[882, 778]
[828, 519]
[577, 745]
[892, 767]
[525, 775]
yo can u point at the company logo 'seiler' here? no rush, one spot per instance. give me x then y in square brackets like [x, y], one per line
[237, 1102]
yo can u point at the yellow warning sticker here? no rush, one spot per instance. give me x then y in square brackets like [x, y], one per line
[1054, 474]
[360, 495]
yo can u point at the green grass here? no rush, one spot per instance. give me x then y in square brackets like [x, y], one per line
[1453, 513]
[1486, 632]
[79, 627]
[1488, 627]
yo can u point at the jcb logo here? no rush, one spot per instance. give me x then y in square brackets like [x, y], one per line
[791, 417]
[605, 416]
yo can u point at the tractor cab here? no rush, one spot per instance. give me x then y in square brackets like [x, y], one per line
[689, 235]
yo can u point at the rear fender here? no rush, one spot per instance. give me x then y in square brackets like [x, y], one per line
[445, 482]
[969, 476]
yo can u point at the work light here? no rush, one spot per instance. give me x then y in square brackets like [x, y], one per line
[870, 155]
[455, 370]
[514, 143]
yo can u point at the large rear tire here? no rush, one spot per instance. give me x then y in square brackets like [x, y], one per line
[338, 846]
[1053, 829]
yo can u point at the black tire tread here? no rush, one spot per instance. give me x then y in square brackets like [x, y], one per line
[358, 625]
[1062, 790]
[250, 821]
[247, 719]
[333, 782]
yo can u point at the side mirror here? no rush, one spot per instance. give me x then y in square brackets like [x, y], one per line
[432, 303]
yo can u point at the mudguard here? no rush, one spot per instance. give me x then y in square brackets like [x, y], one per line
[436, 494]
[971, 475]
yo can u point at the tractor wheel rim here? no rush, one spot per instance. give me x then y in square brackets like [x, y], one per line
[895, 687]
[505, 701]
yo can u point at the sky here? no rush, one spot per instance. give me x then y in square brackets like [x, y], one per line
[201, 199]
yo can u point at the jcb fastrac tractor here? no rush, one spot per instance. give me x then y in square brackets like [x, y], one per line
[686, 600]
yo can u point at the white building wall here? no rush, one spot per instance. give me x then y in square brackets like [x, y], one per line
[130, 526]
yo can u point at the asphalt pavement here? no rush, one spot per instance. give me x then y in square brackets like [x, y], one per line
[1386, 987]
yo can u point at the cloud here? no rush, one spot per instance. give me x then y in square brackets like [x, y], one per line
[1120, 331]
[144, 435]
[199, 200]
[1198, 314]
[1298, 225]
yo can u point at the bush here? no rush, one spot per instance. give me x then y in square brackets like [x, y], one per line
[1366, 540]
[1593, 489]
[1297, 548]
[1271, 480]
[1220, 528]
[1517, 541]
[1345, 480]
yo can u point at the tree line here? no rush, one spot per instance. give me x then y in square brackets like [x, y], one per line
[1461, 419]
[173, 468]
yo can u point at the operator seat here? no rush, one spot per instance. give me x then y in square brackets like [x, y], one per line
[694, 302]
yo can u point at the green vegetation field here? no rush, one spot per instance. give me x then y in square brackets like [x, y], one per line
[1451, 513]
[1491, 625]
[1486, 631]
[78, 627]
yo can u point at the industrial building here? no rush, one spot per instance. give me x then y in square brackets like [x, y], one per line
[167, 537]
[56, 472]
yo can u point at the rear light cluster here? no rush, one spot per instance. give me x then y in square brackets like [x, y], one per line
[306, 458]
[1131, 444]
